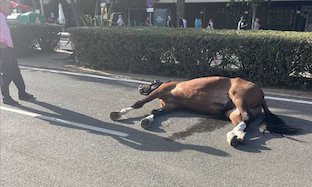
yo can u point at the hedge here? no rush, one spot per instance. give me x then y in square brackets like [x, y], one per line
[28, 38]
[269, 58]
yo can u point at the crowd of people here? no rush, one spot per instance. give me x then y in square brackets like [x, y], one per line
[241, 24]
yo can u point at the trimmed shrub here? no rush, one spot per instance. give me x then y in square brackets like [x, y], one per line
[269, 58]
[28, 38]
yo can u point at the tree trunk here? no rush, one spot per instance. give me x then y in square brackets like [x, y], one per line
[35, 4]
[254, 14]
[180, 10]
[76, 12]
[97, 8]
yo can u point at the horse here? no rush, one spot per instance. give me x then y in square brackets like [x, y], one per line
[236, 99]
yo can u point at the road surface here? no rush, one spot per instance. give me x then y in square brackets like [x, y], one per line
[66, 138]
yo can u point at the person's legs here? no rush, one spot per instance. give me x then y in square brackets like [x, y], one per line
[17, 77]
[18, 80]
[6, 76]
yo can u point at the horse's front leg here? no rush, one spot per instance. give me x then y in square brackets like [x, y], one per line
[147, 121]
[237, 135]
[116, 115]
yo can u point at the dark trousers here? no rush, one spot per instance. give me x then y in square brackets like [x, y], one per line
[11, 72]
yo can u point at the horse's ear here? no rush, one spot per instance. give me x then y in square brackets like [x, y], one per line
[156, 81]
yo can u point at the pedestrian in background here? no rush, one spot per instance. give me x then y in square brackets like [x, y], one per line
[210, 24]
[184, 23]
[256, 25]
[120, 21]
[11, 71]
[241, 25]
[169, 22]
[197, 23]
[181, 22]
[147, 21]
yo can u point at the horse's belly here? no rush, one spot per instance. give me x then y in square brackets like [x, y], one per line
[201, 95]
[204, 107]
[199, 104]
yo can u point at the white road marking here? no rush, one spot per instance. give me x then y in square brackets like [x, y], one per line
[86, 75]
[145, 82]
[289, 100]
[71, 123]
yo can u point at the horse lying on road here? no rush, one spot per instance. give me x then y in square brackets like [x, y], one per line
[237, 99]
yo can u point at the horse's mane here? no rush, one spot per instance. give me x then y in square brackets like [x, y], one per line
[146, 89]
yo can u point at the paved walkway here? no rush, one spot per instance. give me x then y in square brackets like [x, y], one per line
[60, 60]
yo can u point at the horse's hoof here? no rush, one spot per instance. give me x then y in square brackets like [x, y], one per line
[240, 138]
[240, 141]
[145, 123]
[115, 116]
[231, 138]
[234, 141]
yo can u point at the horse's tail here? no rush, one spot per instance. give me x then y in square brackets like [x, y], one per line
[145, 89]
[275, 124]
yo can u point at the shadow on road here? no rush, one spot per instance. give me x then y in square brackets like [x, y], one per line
[256, 140]
[136, 139]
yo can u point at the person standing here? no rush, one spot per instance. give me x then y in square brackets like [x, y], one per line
[169, 22]
[241, 24]
[147, 21]
[11, 71]
[197, 23]
[183, 22]
[120, 21]
[256, 25]
[210, 24]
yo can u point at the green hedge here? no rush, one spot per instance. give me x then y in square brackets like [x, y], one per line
[27, 38]
[269, 58]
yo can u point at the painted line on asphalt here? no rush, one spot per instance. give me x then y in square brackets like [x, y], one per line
[289, 100]
[145, 82]
[71, 123]
[85, 75]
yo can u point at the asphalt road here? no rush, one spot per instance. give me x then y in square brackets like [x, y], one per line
[66, 138]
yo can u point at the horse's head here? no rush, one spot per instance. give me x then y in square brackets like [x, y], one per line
[146, 89]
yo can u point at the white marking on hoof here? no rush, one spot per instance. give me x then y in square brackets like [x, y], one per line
[236, 135]
[240, 137]
[116, 115]
[125, 110]
[147, 122]
[240, 127]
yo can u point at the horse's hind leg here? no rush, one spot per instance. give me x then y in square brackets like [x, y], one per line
[237, 135]
[116, 115]
[147, 121]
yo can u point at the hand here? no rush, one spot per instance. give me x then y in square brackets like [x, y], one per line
[3, 45]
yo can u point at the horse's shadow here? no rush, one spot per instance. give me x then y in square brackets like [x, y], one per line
[255, 140]
[214, 122]
[140, 140]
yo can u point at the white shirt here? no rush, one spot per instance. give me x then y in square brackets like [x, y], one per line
[210, 25]
[120, 22]
[240, 25]
[184, 23]
[256, 26]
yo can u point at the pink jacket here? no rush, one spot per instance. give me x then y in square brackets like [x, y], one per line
[5, 34]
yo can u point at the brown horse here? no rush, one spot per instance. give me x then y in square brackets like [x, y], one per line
[237, 99]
